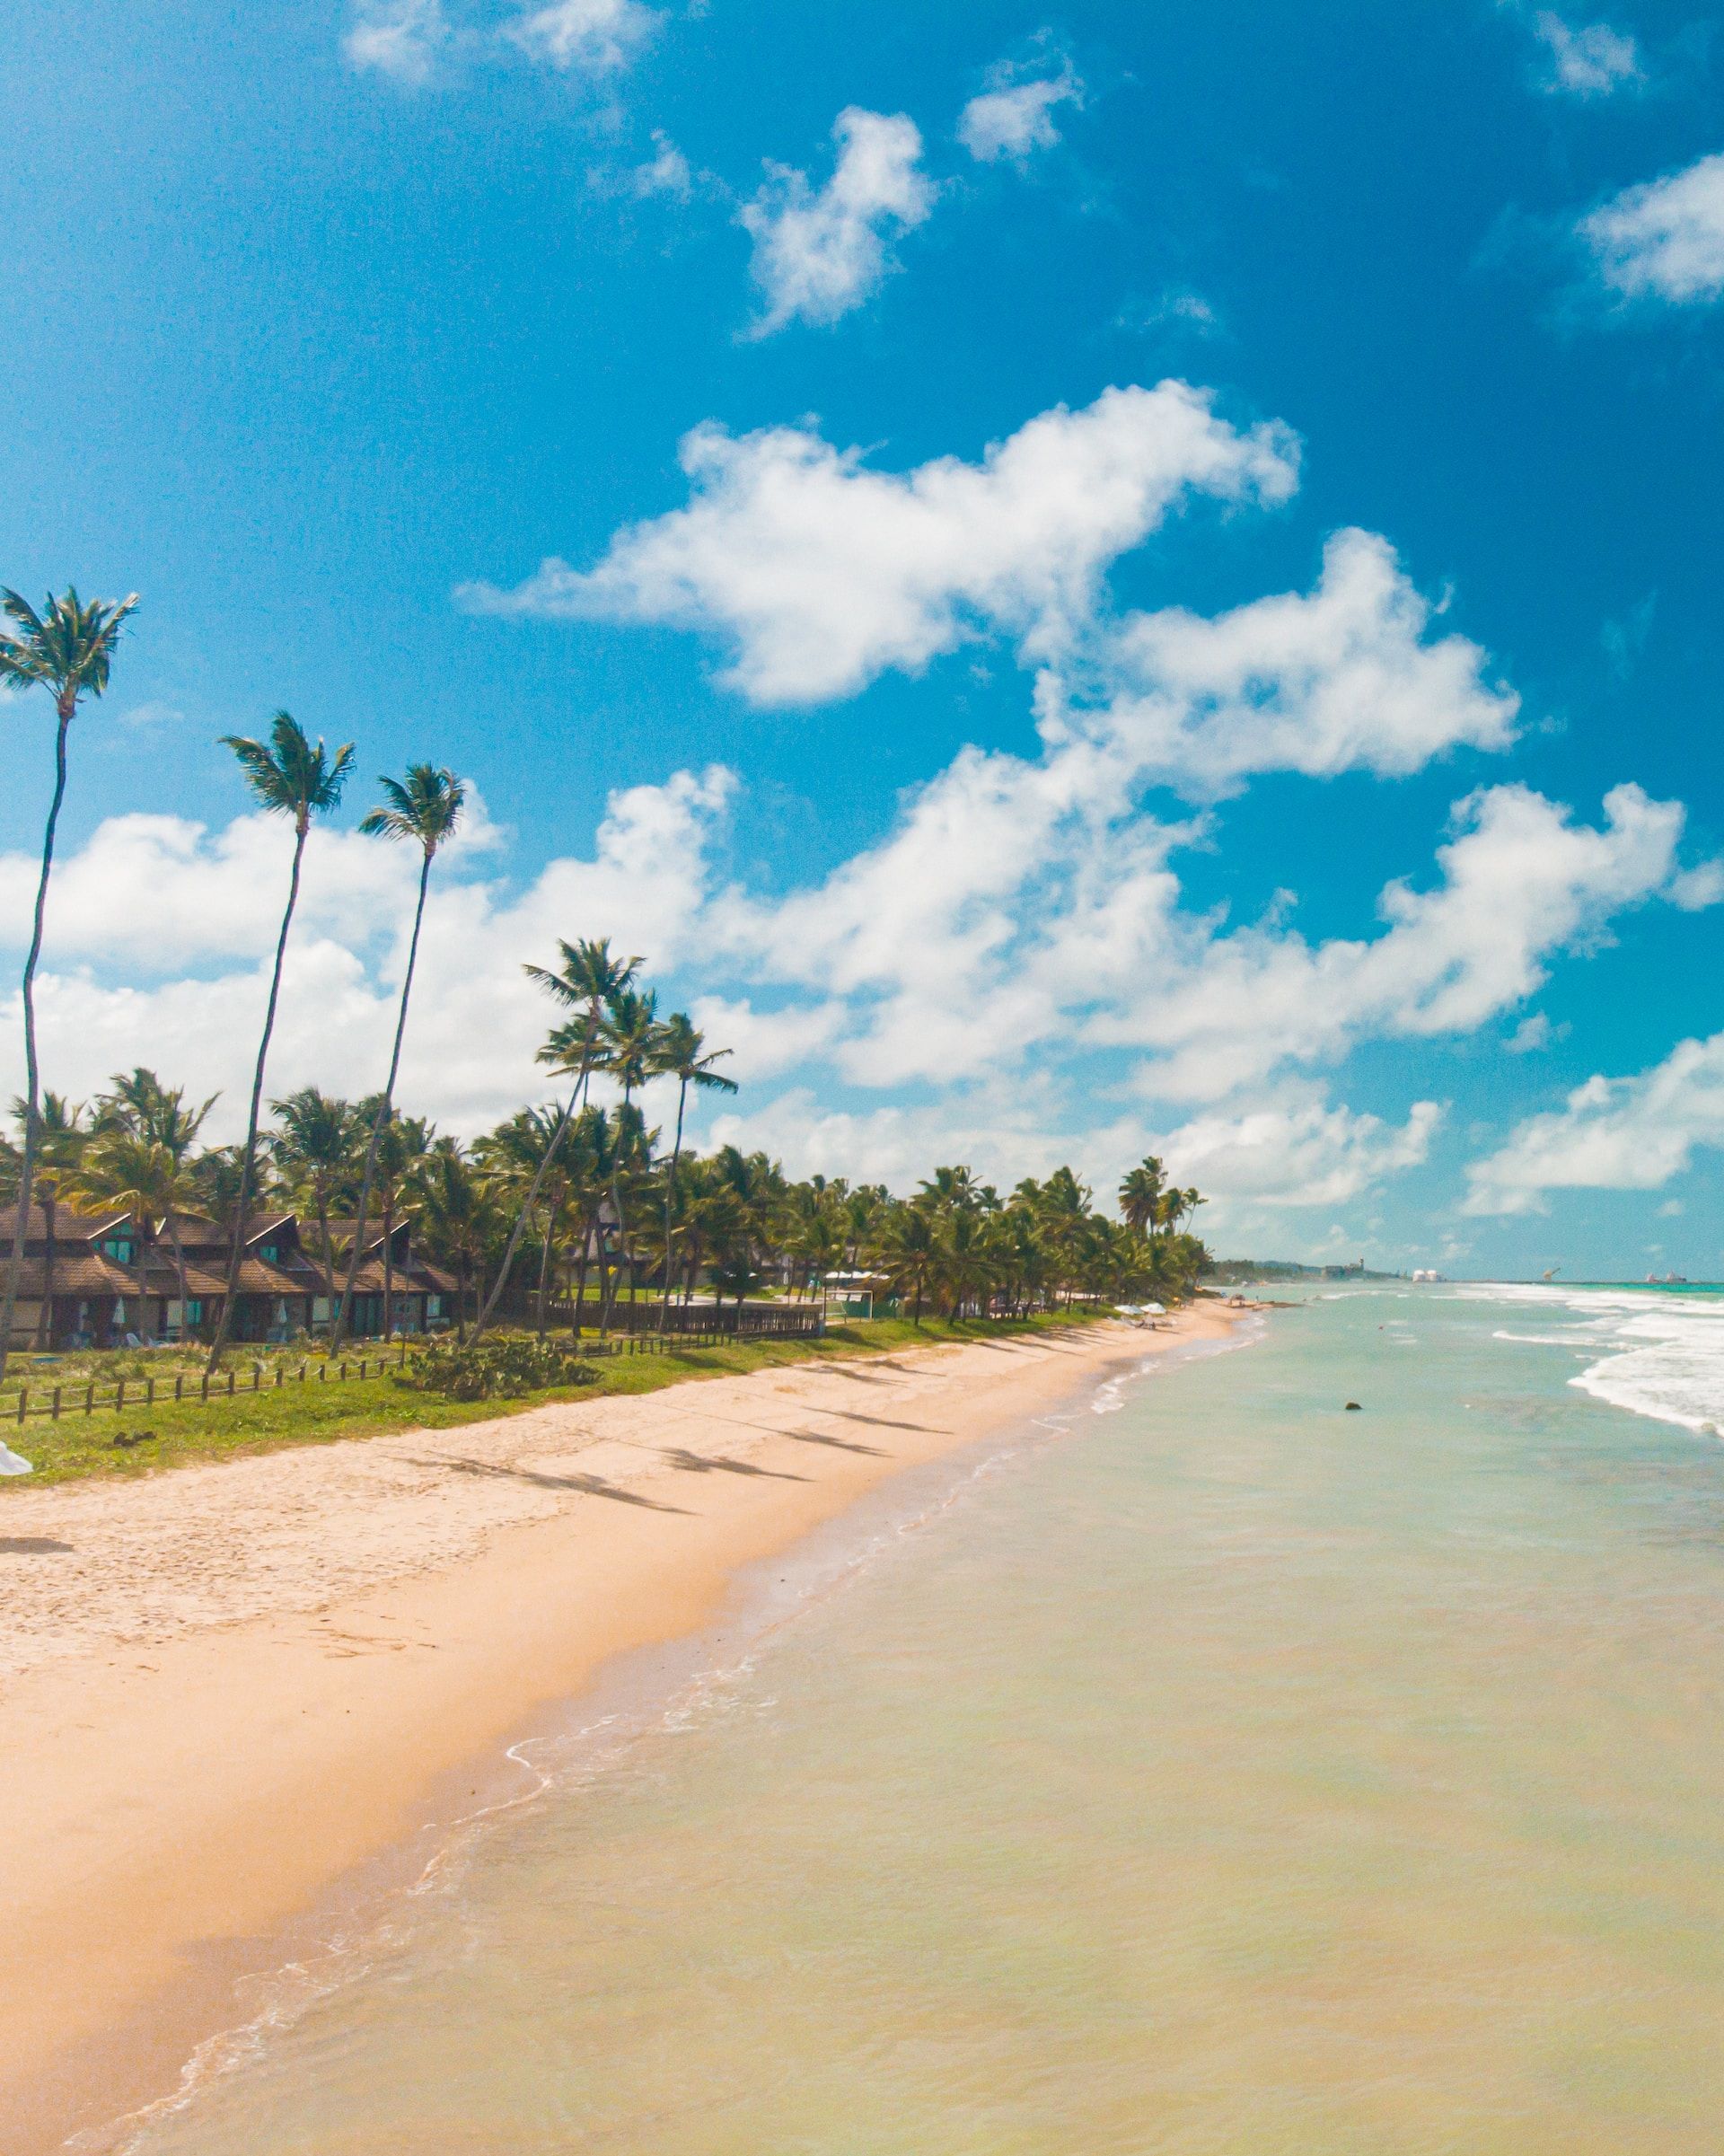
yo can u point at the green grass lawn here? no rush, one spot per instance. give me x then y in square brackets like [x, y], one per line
[314, 1414]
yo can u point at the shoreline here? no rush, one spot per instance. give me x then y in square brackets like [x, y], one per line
[264, 1689]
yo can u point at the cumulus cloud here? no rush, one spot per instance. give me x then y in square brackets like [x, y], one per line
[665, 172]
[1344, 678]
[588, 37]
[1014, 958]
[1522, 880]
[1587, 59]
[1014, 115]
[1617, 1134]
[188, 997]
[1299, 1151]
[400, 38]
[819, 253]
[1664, 240]
[823, 573]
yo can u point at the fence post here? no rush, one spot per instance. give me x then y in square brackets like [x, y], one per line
[23, 1397]
[257, 1377]
[90, 1398]
[149, 1392]
[120, 1397]
[54, 1410]
[232, 1380]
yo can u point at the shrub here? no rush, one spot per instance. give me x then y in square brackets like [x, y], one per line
[503, 1364]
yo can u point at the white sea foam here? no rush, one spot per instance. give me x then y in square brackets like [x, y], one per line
[1666, 1352]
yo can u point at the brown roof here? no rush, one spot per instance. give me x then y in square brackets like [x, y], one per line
[68, 1227]
[76, 1272]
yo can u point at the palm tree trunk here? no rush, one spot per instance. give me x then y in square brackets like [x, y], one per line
[544, 1272]
[45, 1317]
[248, 1162]
[622, 1234]
[179, 1271]
[383, 1115]
[532, 1200]
[32, 1074]
[389, 1262]
[670, 1200]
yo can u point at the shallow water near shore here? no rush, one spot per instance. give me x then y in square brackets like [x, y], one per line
[1219, 1773]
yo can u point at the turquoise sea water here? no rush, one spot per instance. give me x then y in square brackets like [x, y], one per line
[1213, 1771]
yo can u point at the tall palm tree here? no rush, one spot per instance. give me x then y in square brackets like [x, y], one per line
[123, 1171]
[62, 1134]
[457, 1210]
[67, 649]
[908, 1253]
[631, 1038]
[681, 1052]
[586, 979]
[288, 777]
[312, 1149]
[138, 1102]
[1140, 1195]
[425, 810]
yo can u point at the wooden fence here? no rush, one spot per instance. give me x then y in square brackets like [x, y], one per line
[185, 1390]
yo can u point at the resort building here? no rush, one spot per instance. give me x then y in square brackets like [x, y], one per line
[111, 1280]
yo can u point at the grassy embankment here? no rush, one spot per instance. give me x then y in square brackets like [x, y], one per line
[107, 1444]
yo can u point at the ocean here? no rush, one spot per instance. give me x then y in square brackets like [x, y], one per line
[1209, 1769]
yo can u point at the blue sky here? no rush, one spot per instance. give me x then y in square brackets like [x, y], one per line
[334, 323]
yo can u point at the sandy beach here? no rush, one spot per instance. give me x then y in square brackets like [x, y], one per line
[227, 1689]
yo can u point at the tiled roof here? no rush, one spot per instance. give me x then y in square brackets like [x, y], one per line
[68, 1227]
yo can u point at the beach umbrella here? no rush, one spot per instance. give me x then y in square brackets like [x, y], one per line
[10, 1463]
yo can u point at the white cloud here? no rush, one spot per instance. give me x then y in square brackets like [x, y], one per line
[1300, 1151]
[1620, 1134]
[821, 251]
[1665, 239]
[823, 573]
[1013, 958]
[666, 173]
[1015, 114]
[587, 37]
[477, 1020]
[1343, 678]
[1587, 59]
[402, 39]
[1522, 881]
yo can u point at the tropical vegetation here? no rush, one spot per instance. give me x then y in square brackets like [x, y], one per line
[570, 1208]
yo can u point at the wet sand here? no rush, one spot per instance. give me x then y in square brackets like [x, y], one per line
[225, 1690]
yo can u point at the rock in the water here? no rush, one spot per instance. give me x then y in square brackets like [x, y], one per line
[1353, 1407]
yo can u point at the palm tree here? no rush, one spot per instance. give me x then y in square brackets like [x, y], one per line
[908, 1253]
[288, 777]
[588, 977]
[138, 1102]
[512, 1155]
[426, 810]
[457, 1209]
[62, 1134]
[404, 1144]
[312, 1149]
[632, 1033]
[681, 1052]
[123, 1171]
[1140, 1195]
[66, 649]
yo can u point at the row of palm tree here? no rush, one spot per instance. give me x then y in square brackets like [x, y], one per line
[525, 1214]
[582, 1180]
